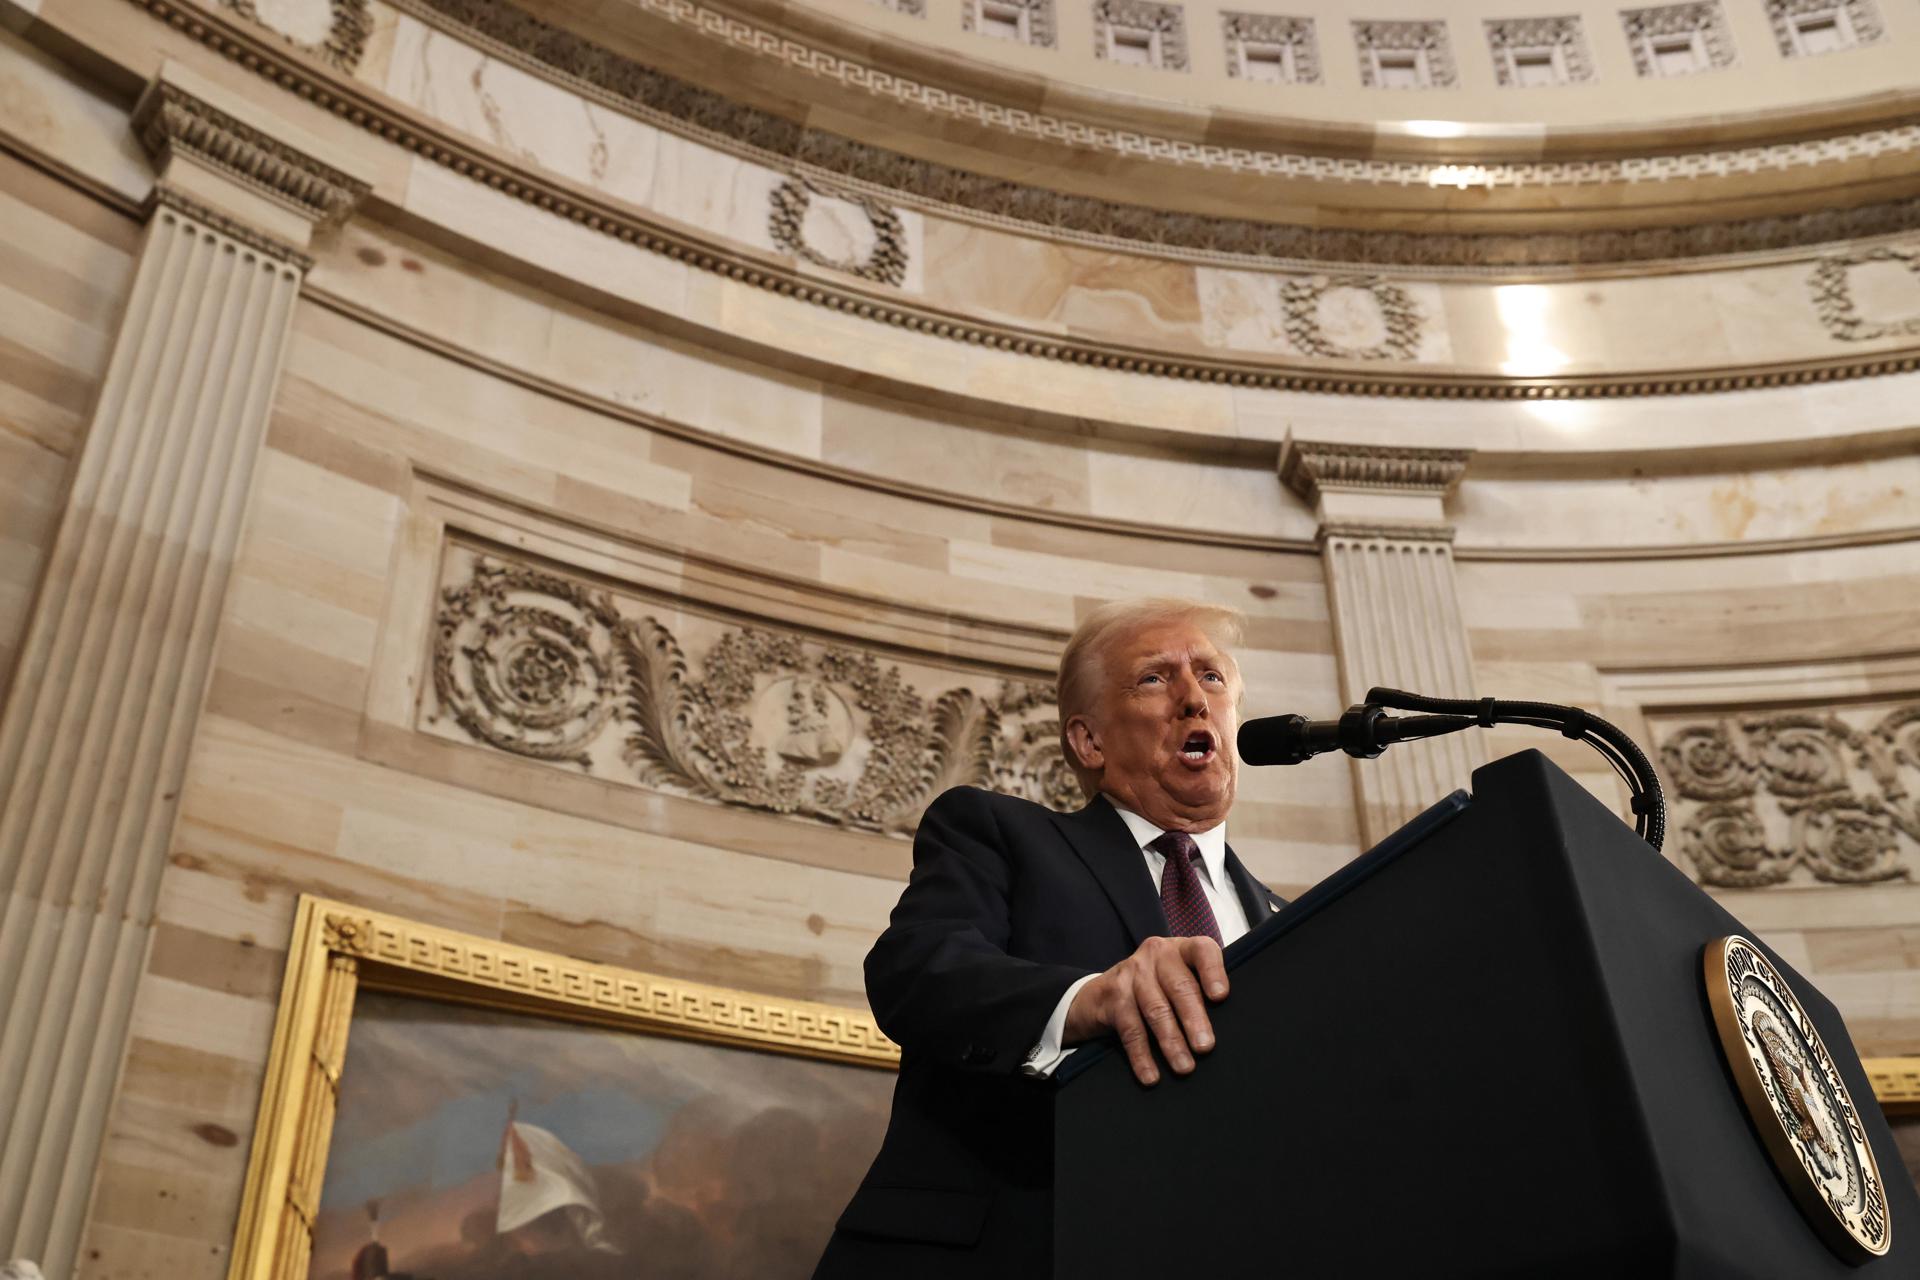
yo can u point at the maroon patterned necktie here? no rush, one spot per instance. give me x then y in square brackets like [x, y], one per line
[1182, 896]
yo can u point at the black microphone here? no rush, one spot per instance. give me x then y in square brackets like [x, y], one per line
[1292, 739]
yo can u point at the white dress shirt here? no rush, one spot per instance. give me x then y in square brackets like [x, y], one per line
[1228, 913]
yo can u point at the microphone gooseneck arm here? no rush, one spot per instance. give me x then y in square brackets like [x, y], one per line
[1365, 730]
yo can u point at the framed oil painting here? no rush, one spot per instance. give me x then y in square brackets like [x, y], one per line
[443, 1107]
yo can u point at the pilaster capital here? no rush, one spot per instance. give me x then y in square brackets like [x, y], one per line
[271, 178]
[1373, 490]
[1311, 467]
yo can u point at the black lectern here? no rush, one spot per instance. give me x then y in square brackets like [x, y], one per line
[1482, 1049]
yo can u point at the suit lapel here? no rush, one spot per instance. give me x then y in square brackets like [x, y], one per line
[1100, 838]
[1256, 899]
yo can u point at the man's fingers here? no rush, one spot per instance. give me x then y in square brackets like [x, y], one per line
[1183, 991]
[1156, 1008]
[1203, 953]
[1133, 1039]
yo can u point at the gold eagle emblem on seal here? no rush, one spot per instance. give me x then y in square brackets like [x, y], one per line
[1798, 1101]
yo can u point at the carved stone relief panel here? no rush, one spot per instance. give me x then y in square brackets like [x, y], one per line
[1140, 33]
[1868, 294]
[1404, 55]
[1022, 21]
[1678, 39]
[1271, 47]
[1803, 28]
[334, 31]
[1830, 794]
[554, 668]
[839, 230]
[1529, 52]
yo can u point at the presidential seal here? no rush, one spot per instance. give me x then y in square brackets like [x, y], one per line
[1799, 1103]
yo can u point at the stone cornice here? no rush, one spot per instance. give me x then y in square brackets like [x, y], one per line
[384, 119]
[1310, 467]
[606, 76]
[169, 119]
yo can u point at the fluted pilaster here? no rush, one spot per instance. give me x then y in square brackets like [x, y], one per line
[94, 738]
[1387, 548]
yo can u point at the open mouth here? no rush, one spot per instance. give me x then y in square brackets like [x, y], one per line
[1198, 747]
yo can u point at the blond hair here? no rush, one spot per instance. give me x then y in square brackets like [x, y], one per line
[1083, 661]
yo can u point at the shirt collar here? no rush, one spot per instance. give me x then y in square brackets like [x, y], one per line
[1212, 842]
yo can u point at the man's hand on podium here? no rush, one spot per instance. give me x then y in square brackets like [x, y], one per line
[1154, 992]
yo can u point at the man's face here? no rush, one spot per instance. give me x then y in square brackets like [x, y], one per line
[1161, 732]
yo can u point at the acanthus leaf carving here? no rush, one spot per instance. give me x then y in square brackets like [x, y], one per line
[1760, 796]
[541, 665]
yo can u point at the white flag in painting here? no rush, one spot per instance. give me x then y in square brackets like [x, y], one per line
[539, 1173]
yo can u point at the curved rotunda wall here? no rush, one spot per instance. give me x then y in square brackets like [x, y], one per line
[484, 390]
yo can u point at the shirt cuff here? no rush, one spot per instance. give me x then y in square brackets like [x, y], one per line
[1048, 1054]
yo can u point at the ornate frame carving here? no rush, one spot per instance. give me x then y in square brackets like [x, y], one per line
[1701, 18]
[338, 948]
[1428, 39]
[1863, 20]
[1041, 23]
[1166, 22]
[1240, 29]
[1564, 35]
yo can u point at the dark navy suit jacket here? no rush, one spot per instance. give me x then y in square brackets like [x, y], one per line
[1008, 905]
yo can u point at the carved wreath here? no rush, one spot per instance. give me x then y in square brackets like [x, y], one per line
[1300, 309]
[540, 665]
[1843, 792]
[1832, 288]
[787, 223]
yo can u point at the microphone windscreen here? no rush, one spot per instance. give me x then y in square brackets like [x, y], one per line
[1272, 740]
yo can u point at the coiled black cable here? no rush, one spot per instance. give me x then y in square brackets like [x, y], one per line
[1613, 744]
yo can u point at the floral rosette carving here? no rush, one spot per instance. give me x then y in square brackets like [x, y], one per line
[1847, 840]
[1802, 755]
[1728, 848]
[524, 661]
[1757, 797]
[1703, 764]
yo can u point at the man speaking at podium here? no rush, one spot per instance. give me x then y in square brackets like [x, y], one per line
[1023, 933]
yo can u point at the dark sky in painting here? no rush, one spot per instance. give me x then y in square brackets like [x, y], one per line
[708, 1161]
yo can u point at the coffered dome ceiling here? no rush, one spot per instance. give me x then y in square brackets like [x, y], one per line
[1477, 137]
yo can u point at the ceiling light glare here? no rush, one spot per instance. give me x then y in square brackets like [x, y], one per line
[1459, 175]
[1433, 128]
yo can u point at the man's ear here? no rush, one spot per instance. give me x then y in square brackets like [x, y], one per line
[1085, 743]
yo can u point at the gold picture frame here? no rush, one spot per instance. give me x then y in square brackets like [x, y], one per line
[339, 949]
